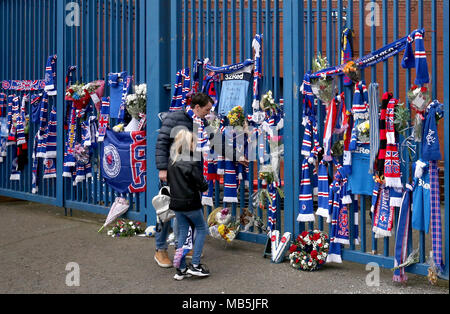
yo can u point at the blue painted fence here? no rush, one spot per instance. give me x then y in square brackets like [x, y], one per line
[153, 39]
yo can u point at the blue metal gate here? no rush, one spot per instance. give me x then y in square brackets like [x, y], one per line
[136, 36]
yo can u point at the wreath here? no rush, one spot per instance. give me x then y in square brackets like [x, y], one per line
[309, 250]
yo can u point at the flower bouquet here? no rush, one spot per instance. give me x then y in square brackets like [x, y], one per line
[80, 94]
[236, 116]
[309, 250]
[81, 154]
[419, 97]
[364, 132]
[352, 71]
[137, 102]
[324, 88]
[268, 104]
[124, 229]
[249, 220]
[222, 225]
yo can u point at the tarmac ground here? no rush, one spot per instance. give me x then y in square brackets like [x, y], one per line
[40, 249]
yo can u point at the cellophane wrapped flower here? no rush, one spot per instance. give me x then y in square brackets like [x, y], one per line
[364, 132]
[137, 102]
[81, 153]
[419, 97]
[309, 250]
[125, 229]
[223, 216]
[324, 88]
[268, 104]
[236, 116]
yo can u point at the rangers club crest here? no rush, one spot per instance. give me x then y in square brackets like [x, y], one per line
[111, 161]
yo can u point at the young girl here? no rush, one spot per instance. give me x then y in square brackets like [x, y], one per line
[186, 182]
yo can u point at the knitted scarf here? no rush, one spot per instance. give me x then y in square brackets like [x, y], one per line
[2, 103]
[383, 215]
[374, 124]
[306, 210]
[181, 90]
[402, 236]
[431, 149]
[392, 171]
[51, 135]
[230, 184]
[382, 125]
[119, 84]
[272, 213]
[50, 76]
[417, 60]
[360, 108]
[436, 229]
[103, 122]
[323, 190]
[203, 144]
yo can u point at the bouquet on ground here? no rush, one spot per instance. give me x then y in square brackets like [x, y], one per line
[222, 224]
[124, 229]
[309, 250]
[324, 88]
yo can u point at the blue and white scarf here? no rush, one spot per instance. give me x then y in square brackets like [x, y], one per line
[306, 209]
[50, 76]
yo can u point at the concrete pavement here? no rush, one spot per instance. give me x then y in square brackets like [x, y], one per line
[38, 242]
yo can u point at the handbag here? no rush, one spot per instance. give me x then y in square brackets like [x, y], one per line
[161, 204]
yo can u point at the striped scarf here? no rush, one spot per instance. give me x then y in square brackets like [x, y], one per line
[418, 59]
[347, 51]
[257, 74]
[402, 236]
[392, 171]
[383, 215]
[323, 192]
[203, 144]
[50, 76]
[436, 229]
[2, 102]
[382, 125]
[306, 210]
[336, 111]
[182, 87]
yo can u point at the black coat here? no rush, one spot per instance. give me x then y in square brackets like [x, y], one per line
[164, 141]
[186, 184]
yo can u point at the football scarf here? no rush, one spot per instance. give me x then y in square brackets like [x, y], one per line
[2, 103]
[34, 167]
[431, 149]
[69, 158]
[360, 108]
[104, 119]
[383, 141]
[50, 76]
[383, 215]
[51, 135]
[272, 213]
[306, 210]
[203, 144]
[119, 84]
[323, 190]
[347, 51]
[123, 161]
[436, 229]
[23, 85]
[13, 114]
[181, 90]
[43, 124]
[230, 184]
[417, 60]
[21, 139]
[402, 236]
[392, 172]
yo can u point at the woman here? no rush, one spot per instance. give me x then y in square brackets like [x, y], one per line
[186, 182]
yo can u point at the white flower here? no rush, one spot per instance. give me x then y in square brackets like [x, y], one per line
[110, 232]
[133, 227]
[319, 241]
[130, 223]
[121, 230]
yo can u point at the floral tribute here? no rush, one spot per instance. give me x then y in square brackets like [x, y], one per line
[80, 93]
[123, 229]
[236, 116]
[309, 250]
[222, 225]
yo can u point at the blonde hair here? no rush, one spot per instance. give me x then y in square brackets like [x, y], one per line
[182, 145]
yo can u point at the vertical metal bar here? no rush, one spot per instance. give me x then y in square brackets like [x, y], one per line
[446, 85]
[362, 223]
[200, 40]
[276, 50]
[434, 26]
[175, 42]
[242, 29]
[225, 32]
[233, 30]
[309, 36]
[268, 49]
[193, 32]
[60, 99]
[217, 38]
[157, 47]
[208, 35]
[396, 62]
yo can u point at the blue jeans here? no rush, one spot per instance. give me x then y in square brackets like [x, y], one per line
[196, 219]
[161, 237]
